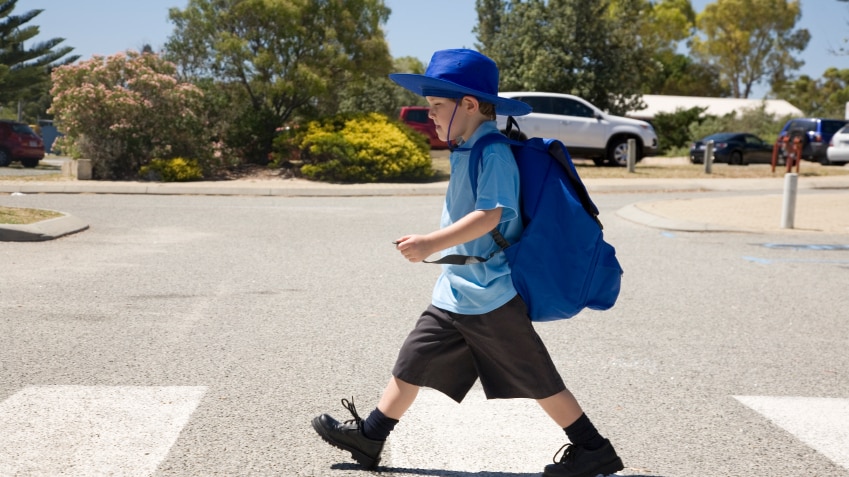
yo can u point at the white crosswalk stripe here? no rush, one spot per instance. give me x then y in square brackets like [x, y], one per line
[513, 435]
[129, 430]
[92, 430]
[821, 423]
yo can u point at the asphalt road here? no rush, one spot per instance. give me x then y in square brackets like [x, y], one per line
[198, 335]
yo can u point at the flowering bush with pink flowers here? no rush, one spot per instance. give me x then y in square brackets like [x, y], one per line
[124, 110]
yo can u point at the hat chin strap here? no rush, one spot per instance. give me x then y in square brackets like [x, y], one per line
[452, 147]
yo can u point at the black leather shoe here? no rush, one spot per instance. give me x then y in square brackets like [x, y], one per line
[349, 436]
[580, 462]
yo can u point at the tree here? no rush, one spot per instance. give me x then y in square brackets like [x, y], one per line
[749, 41]
[380, 94]
[25, 72]
[286, 57]
[125, 110]
[665, 25]
[825, 97]
[589, 48]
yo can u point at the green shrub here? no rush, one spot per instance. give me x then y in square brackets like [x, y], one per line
[753, 120]
[172, 170]
[673, 129]
[363, 148]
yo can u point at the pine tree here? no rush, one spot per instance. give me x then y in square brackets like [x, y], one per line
[25, 71]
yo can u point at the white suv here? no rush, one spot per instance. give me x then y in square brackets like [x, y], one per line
[587, 131]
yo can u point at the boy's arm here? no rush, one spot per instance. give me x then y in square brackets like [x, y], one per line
[416, 248]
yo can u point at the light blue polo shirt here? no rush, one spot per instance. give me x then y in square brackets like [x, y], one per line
[482, 287]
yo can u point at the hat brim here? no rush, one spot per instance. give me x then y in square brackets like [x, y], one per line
[428, 86]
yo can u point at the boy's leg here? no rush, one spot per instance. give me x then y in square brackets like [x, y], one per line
[447, 367]
[562, 407]
[588, 454]
[397, 397]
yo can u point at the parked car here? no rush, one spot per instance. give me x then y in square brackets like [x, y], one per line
[417, 118]
[815, 133]
[733, 148]
[587, 131]
[838, 148]
[18, 142]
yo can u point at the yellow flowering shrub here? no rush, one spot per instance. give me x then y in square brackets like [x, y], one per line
[364, 148]
[172, 170]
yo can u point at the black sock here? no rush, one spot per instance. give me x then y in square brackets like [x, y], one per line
[377, 426]
[583, 433]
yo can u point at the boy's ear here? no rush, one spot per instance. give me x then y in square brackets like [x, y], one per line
[470, 104]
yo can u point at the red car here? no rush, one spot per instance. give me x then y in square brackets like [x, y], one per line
[18, 142]
[417, 118]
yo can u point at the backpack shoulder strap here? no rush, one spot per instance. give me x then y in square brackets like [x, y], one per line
[558, 151]
[476, 159]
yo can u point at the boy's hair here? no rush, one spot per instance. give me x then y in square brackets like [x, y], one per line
[487, 109]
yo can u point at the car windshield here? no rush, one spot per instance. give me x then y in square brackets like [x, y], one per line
[718, 137]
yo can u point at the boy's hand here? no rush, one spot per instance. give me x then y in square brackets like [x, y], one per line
[414, 248]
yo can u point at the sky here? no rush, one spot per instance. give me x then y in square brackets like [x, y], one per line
[415, 28]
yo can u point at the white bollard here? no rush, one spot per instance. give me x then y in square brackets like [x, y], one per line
[708, 156]
[788, 208]
[632, 154]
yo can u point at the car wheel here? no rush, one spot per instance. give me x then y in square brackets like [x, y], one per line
[824, 161]
[736, 159]
[617, 153]
[5, 158]
[29, 163]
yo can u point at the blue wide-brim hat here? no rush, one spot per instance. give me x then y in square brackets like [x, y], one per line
[458, 73]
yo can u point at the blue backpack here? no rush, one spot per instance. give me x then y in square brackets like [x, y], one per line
[561, 263]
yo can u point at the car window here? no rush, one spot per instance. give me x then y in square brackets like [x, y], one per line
[22, 129]
[540, 104]
[753, 140]
[417, 115]
[831, 126]
[800, 125]
[719, 137]
[570, 107]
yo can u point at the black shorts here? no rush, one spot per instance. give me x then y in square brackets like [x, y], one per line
[448, 351]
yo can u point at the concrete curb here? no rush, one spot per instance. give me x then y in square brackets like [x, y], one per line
[40, 231]
[252, 188]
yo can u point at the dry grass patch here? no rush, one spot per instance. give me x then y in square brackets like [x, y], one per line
[673, 168]
[21, 216]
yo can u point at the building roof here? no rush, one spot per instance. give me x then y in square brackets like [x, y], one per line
[715, 106]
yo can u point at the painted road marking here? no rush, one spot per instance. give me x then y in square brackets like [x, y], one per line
[768, 261]
[503, 436]
[821, 423]
[794, 246]
[92, 430]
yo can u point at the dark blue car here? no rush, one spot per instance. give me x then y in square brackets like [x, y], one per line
[733, 148]
[815, 134]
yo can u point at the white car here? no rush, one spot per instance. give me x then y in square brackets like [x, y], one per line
[587, 131]
[838, 149]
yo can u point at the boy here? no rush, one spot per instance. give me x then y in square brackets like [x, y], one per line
[476, 326]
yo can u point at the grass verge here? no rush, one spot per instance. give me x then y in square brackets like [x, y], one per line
[20, 216]
[673, 168]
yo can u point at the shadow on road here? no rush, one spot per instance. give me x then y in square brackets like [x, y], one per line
[452, 473]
